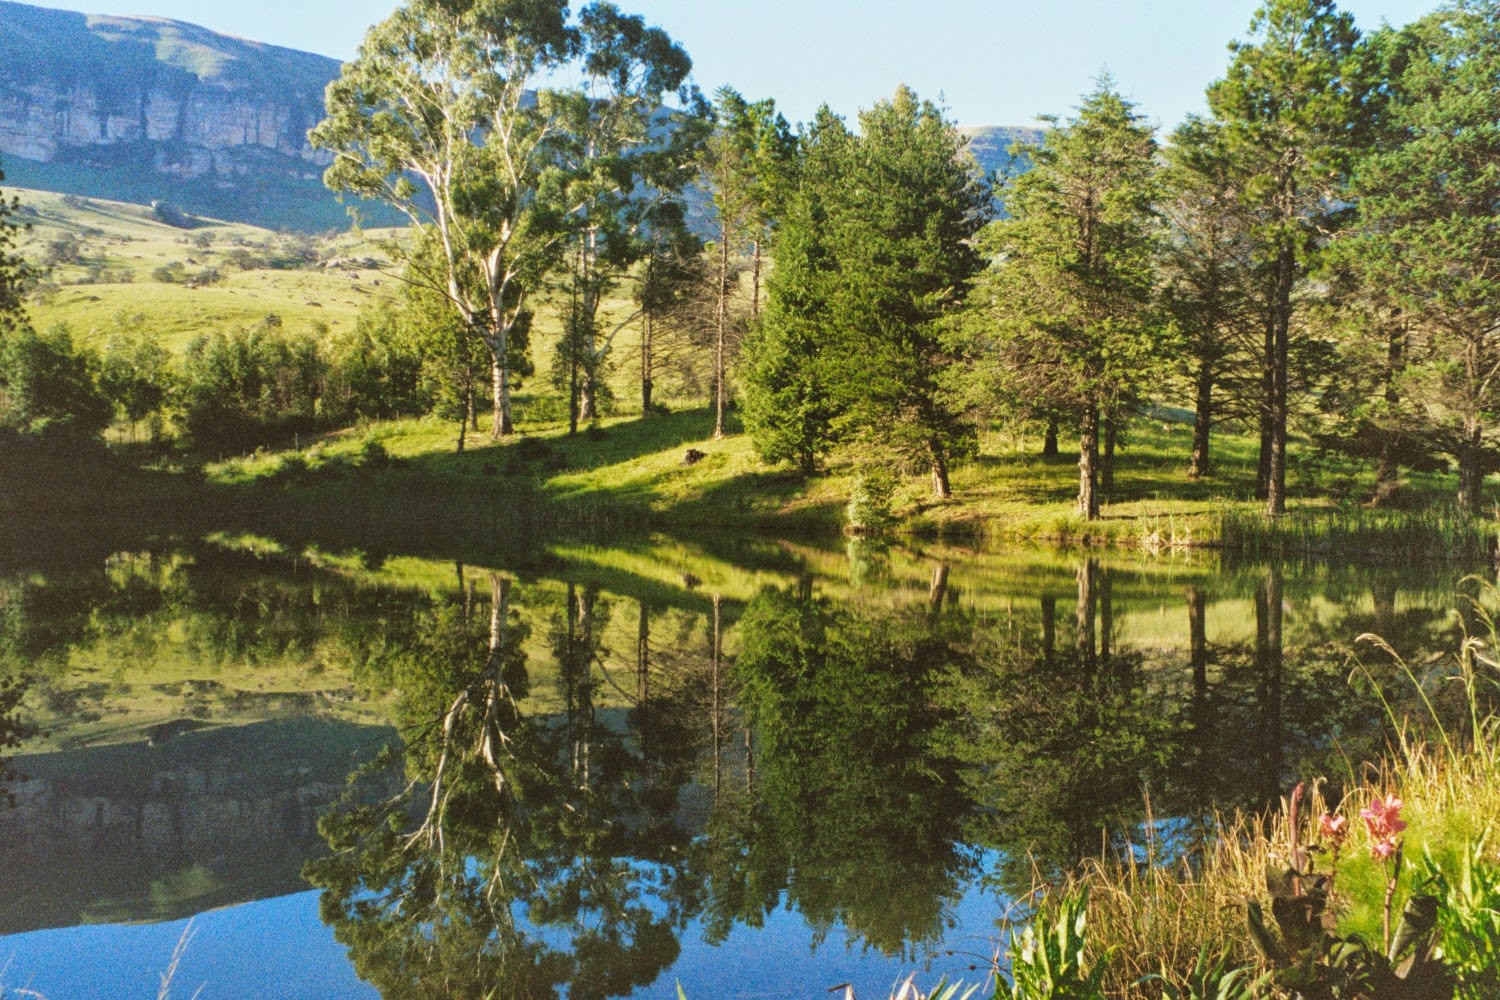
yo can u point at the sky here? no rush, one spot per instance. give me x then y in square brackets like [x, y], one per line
[991, 62]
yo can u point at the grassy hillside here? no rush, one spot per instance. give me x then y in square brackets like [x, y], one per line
[109, 273]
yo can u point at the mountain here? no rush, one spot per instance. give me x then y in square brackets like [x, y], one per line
[141, 109]
[145, 109]
[991, 147]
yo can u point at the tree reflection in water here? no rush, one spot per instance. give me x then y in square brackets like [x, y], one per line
[656, 762]
[504, 868]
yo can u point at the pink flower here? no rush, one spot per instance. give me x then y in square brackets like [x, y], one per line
[1334, 829]
[1383, 820]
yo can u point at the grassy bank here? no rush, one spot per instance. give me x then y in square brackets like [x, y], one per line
[401, 487]
[634, 473]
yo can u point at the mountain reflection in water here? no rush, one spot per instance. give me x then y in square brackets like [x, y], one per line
[631, 767]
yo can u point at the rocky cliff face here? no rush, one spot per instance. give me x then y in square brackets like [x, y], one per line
[137, 108]
[160, 94]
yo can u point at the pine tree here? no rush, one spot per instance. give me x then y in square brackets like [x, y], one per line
[1290, 107]
[1426, 229]
[1073, 290]
[874, 260]
[788, 401]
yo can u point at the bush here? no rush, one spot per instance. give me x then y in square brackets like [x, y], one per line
[376, 374]
[251, 387]
[171, 273]
[869, 510]
[47, 387]
[374, 456]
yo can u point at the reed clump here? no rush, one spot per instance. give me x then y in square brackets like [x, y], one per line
[1412, 839]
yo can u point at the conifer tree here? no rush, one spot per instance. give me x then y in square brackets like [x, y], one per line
[1426, 229]
[875, 258]
[1072, 290]
[1290, 108]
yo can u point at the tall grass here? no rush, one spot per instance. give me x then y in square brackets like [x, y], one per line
[1431, 533]
[1158, 917]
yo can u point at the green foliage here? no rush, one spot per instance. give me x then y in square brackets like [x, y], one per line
[1310, 959]
[250, 386]
[869, 509]
[1047, 960]
[1469, 917]
[137, 375]
[874, 260]
[1073, 288]
[1423, 242]
[789, 405]
[15, 275]
[48, 387]
[1213, 977]
[375, 372]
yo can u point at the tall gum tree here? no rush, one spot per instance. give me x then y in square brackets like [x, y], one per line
[1290, 106]
[1072, 284]
[438, 115]
[745, 164]
[625, 156]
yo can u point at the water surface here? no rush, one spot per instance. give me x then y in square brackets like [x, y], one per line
[605, 771]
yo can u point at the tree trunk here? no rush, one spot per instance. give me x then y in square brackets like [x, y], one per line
[1107, 464]
[1268, 659]
[1203, 415]
[500, 424]
[1267, 390]
[1049, 629]
[1106, 616]
[643, 656]
[716, 648]
[1088, 465]
[938, 589]
[648, 363]
[1388, 469]
[1471, 467]
[1203, 769]
[939, 465]
[1198, 643]
[1084, 617]
[1049, 440]
[1276, 470]
[755, 280]
[721, 335]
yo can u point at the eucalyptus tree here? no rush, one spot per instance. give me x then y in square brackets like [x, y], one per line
[1290, 106]
[1073, 285]
[745, 164]
[624, 156]
[439, 116]
[1427, 234]
[669, 309]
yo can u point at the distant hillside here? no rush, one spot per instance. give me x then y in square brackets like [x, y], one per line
[140, 109]
[990, 145]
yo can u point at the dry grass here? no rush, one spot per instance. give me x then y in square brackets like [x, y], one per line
[1155, 910]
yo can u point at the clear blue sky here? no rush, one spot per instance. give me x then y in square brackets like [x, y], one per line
[995, 62]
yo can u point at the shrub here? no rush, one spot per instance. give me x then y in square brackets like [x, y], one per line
[251, 386]
[869, 510]
[171, 273]
[48, 387]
